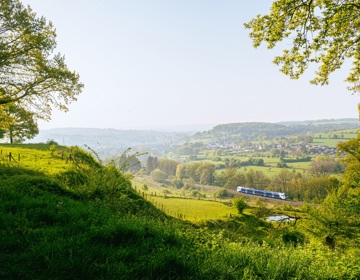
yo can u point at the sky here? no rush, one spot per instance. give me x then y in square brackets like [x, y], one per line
[152, 64]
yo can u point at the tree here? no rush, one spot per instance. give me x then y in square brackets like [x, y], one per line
[30, 74]
[352, 161]
[21, 125]
[282, 180]
[159, 176]
[323, 166]
[339, 215]
[167, 165]
[151, 164]
[323, 32]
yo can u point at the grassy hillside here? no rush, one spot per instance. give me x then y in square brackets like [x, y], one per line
[82, 220]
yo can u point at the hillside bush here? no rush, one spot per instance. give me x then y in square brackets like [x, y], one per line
[293, 237]
[240, 204]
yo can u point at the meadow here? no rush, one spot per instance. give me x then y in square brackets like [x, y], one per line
[40, 157]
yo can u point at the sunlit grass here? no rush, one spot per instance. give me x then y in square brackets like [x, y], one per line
[39, 157]
[193, 209]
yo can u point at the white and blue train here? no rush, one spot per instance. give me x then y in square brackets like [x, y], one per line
[270, 194]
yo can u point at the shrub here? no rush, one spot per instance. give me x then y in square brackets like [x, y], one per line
[52, 142]
[240, 204]
[223, 194]
[293, 237]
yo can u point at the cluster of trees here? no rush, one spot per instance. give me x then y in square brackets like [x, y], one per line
[161, 168]
[33, 80]
[236, 163]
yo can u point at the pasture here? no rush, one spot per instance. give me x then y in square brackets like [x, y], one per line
[39, 157]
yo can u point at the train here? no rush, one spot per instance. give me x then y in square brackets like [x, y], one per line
[271, 194]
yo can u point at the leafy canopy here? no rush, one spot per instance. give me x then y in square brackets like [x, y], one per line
[30, 74]
[20, 124]
[324, 32]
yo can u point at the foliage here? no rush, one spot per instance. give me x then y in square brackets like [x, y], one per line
[339, 215]
[323, 32]
[168, 166]
[52, 142]
[126, 162]
[31, 76]
[159, 176]
[201, 172]
[293, 237]
[352, 160]
[324, 166]
[297, 159]
[223, 194]
[240, 204]
[261, 211]
[19, 124]
[338, 218]
[151, 164]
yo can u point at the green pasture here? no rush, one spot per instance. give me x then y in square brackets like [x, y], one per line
[173, 203]
[327, 142]
[193, 209]
[39, 157]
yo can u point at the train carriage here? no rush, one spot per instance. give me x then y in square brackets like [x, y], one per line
[271, 194]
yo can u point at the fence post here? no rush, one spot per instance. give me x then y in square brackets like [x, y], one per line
[10, 156]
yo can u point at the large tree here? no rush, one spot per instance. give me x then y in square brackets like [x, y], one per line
[31, 75]
[324, 32]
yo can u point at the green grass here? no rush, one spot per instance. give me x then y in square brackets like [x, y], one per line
[37, 157]
[193, 209]
[188, 208]
[327, 142]
[95, 226]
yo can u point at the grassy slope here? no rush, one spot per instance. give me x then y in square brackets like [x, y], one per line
[49, 230]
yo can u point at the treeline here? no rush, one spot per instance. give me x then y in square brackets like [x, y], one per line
[311, 187]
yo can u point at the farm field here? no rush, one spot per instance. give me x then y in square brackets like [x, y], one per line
[193, 209]
[184, 206]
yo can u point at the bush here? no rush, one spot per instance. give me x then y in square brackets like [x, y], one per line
[240, 204]
[223, 194]
[52, 142]
[293, 237]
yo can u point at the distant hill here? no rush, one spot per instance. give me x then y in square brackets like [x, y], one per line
[253, 130]
[110, 142]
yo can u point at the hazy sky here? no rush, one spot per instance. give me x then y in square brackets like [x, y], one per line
[162, 63]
